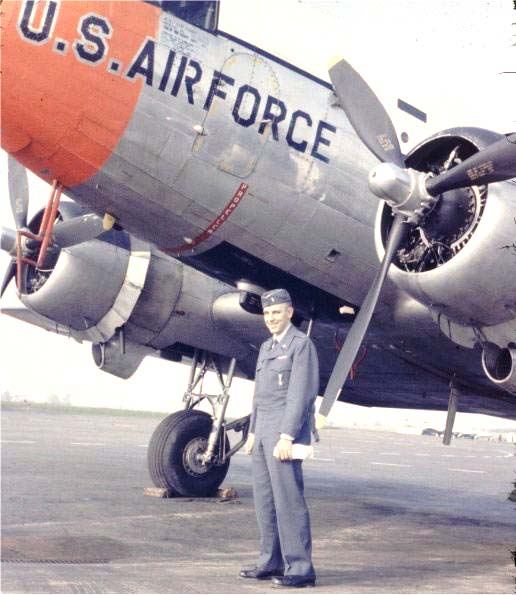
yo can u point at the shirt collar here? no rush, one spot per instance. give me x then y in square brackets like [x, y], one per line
[281, 336]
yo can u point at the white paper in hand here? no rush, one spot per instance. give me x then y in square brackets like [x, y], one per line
[299, 451]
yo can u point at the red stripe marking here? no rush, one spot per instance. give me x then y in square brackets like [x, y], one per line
[215, 224]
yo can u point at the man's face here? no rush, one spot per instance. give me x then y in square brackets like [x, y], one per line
[277, 317]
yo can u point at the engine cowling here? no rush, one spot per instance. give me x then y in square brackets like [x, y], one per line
[463, 247]
[90, 288]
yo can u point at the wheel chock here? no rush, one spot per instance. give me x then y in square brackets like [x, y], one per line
[158, 492]
[222, 494]
[227, 493]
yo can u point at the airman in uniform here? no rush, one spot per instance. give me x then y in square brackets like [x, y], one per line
[286, 384]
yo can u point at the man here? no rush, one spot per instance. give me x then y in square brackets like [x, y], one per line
[286, 384]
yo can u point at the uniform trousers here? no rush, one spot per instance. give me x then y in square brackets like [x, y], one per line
[281, 511]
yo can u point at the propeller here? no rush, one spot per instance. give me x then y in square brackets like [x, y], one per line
[360, 325]
[495, 163]
[8, 243]
[9, 275]
[411, 194]
[366, 114]
[19, 198]
[64, 233]
[18, 191]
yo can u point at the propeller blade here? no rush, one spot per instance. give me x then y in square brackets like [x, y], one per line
[495, 163]
[8, 240]
[9, 275]
[366, 114]
[360, 325]
[79, 229]
[18, 191]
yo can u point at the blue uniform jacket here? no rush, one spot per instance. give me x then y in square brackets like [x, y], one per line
[287, 383]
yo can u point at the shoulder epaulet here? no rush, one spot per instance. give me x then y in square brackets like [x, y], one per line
[300, 335]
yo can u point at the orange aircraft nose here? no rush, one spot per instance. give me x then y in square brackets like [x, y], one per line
[65, 100]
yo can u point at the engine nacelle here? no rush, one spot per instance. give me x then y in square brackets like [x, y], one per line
[131, 300]
[464, 248]
[180, 305]
[459, 261]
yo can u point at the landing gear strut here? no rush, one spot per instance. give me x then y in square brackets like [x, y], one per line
[452, 410]
[189, 451]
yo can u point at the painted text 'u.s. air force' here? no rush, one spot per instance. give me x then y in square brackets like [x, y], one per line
[184, 77]
[248, 106]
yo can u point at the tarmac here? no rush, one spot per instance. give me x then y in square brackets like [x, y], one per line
[390, 513]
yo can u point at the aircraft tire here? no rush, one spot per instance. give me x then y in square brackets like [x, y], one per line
[172, 454]
[155, 453]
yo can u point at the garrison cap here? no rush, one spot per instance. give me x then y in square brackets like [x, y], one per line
[275, 296]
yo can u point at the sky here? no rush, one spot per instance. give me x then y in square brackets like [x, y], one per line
[445, 57]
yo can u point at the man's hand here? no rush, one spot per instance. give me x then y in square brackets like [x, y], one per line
[249, 443]
[284, 447]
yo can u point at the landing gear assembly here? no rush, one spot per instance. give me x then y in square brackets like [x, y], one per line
[189, 451]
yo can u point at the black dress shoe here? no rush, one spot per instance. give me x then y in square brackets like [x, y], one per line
[293, 580]
[260, 574]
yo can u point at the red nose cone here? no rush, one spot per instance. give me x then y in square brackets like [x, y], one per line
[65, 99]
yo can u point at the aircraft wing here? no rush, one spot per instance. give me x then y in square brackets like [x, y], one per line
[412, 373]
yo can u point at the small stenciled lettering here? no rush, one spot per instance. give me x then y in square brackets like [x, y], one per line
[385, 142]
[480, 170]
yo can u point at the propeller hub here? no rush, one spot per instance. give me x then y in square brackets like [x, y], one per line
[453, 213]
[404, 190]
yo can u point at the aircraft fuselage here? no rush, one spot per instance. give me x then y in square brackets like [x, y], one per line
[158, 122]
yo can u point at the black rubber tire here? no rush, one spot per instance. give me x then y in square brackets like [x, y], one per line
[168, 448]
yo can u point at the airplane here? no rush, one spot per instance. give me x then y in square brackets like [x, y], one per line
[203, 171]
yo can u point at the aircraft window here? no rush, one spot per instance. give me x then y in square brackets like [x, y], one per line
[201, 13]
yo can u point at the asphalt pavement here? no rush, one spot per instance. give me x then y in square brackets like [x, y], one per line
[391, 513]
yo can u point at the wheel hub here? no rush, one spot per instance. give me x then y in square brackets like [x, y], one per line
[193, 457]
